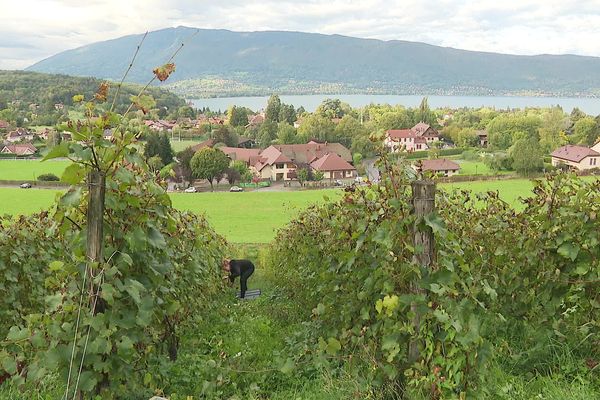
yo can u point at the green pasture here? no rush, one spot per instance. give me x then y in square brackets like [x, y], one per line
[29, 170]
[253, 217]
[178, 145]
[476, 168]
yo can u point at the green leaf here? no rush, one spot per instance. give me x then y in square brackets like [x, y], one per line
[108, 293]
[73, 174]
[72, 197]
[288, 366]
[333, 346]
[56, 266]
[134, 288]
[9, 365]
[569, 250]
[155, 238]
[16, 335]
[436, 223]
[60, 150]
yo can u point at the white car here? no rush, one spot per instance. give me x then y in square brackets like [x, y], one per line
[191, 189]
[25, 185]
[236, 189]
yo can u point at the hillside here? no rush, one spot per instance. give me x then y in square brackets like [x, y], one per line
[221, 62]
[19, 89]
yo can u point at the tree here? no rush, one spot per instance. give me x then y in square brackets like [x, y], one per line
[238, 116]
[332, 108]
[348, 129]
[318, 176]
[185, 170]
[424, 113]
[155, 163]
[186, 112]
[209, 164]
[165, 151]
[266, 134]
[287, 114]
[232, 175]
[152, 146]
[243, 172]
[527, 156]
[552, 129]
[302, 175]
[224, 135]
[273, 109]
[286, 134]
[317, 127]
[586, 131]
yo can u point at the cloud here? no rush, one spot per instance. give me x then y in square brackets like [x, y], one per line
[31, 30]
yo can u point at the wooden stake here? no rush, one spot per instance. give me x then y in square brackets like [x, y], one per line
[423, 196]
[95, 216]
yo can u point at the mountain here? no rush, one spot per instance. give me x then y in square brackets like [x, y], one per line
[222, 62]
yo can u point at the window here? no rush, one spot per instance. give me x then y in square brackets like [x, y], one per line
[279, 165]
[593, 161]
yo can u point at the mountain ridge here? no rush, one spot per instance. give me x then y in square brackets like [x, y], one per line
[221, 62]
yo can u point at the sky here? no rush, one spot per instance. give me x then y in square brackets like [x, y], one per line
[31, 30]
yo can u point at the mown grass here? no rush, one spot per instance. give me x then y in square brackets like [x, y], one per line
[477, 168]
[29, 170]
[178, 145]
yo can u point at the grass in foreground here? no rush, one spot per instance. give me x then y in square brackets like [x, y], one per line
[29, 170]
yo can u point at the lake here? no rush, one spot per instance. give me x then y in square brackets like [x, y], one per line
[590, 106]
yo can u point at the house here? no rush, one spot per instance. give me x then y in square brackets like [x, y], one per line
[43, 134]
[577, 157]
[255, 120]
[297, 123]
[246, 143]
[201, 145]
[19, 135]
[241, 154]
[419, 137]
[438, 166]
[483, 138]
[279, 162]
[59, 106]
[160, 125]
[333, 167]
[26, 149]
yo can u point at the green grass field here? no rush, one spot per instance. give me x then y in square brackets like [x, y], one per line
[252, 217]
[182, 145]
[476, 168]
[30, 169]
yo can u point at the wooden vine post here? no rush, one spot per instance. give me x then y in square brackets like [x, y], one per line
[95, 216]
[423, 197]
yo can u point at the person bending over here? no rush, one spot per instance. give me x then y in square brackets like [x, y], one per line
[241, 268]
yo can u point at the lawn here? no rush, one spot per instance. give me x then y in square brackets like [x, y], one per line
[252, 217]
[476, 168]
[20, 170]
[183, 144]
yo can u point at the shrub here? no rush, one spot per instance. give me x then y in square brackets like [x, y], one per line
[48, 178]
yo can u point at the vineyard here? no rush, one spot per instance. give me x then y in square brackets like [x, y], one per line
[394, 291]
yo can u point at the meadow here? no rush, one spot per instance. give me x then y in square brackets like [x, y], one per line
[29, 170]
[251, 217]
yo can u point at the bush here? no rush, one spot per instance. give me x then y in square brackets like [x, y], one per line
[48, 178]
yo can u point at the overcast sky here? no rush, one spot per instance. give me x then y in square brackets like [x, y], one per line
[31, 30]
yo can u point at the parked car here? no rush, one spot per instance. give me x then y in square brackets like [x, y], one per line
[338, 182]
[191, 189]
[236, 189]
[25, 185]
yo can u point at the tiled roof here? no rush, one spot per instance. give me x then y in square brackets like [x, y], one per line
[574, 153]
[201, 145]
[401, 133]
[236, 153]
[331, 162]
